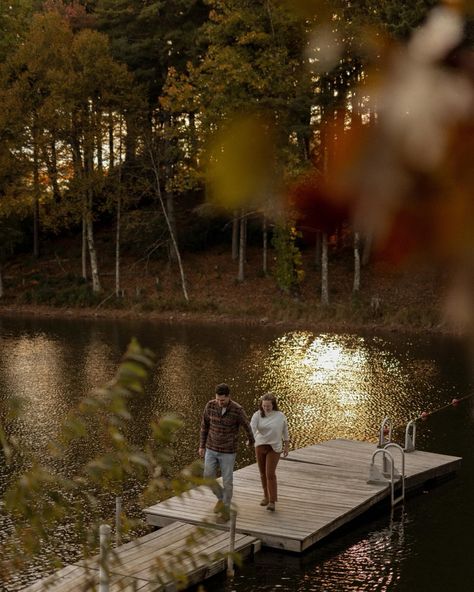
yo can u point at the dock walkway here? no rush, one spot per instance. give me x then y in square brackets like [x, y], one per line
[135, 566]
[321, 488]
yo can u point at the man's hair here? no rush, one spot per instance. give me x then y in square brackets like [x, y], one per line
[222, 389]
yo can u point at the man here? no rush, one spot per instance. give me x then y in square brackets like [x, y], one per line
[220, 425]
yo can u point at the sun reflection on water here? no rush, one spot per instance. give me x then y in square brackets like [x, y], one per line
[338, 385]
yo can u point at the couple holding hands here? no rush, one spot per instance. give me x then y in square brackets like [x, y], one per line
[267, 431]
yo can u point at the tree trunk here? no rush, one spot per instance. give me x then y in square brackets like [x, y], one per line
[51, 161]
[117, 249]
[235, 236]
[170, 229]
[36, 192]
[96, 287]
[193, 135]
[356, 286]
[242, 245]
[98, 138]
[303, 144]
[324, 271]
[84, 247]
[318, 249]
[89, 139]
[111, 140]
[265, 245]
[172, 222]
[366, 251]
[130, 140]
[1, 281]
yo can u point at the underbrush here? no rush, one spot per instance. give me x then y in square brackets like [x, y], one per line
[63, 291]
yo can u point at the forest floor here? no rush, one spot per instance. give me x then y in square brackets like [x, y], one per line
[408, 298]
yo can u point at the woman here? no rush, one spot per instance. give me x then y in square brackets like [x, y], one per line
[270, 429]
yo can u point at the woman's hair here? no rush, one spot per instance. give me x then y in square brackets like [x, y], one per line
[268, 397]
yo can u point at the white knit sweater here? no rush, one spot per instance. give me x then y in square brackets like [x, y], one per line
[271, 429]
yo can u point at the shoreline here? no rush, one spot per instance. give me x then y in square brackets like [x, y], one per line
[203, 318]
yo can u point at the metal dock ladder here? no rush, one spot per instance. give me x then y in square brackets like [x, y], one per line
[388, 473]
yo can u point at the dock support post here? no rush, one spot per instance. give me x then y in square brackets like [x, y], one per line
[118, 522]
[230, 558]
[104, 557]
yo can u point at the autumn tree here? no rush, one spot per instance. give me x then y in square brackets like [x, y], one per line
[251, 76]
[64, 84]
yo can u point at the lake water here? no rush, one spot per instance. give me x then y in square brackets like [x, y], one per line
[329, 386]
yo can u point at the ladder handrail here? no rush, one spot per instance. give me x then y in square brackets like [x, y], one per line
[410, 439]
[386, 454]
[402, 452]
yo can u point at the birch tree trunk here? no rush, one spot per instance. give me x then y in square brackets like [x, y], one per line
[356, 286]
[89, 138]
[96, 287]
[170, 229]
[324, 270]
[119, 216]
[235, 236]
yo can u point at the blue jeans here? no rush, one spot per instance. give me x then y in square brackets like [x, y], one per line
[224, 460]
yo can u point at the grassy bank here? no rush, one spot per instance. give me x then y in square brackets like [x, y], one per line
[407, 298]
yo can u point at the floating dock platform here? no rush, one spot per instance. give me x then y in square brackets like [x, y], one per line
[320, 489]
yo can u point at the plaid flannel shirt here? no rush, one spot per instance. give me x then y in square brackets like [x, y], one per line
[220, 431]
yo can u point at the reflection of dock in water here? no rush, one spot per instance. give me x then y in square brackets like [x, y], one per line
[320, 489]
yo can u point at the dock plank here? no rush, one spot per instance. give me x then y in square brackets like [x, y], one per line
[141, 564]
[321, 488]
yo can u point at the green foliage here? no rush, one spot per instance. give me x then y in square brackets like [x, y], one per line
[58, 89]
[14, 16]
[289, 264]
[41, 499]
[11, 235]
[398, 17]
[144, 233]
[63, 291]
[151, 36]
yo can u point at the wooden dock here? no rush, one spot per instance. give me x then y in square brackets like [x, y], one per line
[142, 565]
[321, 488]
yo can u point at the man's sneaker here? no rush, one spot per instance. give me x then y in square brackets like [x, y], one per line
[219, 507]
[264, 502]
[271, 506]
[223, 518]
